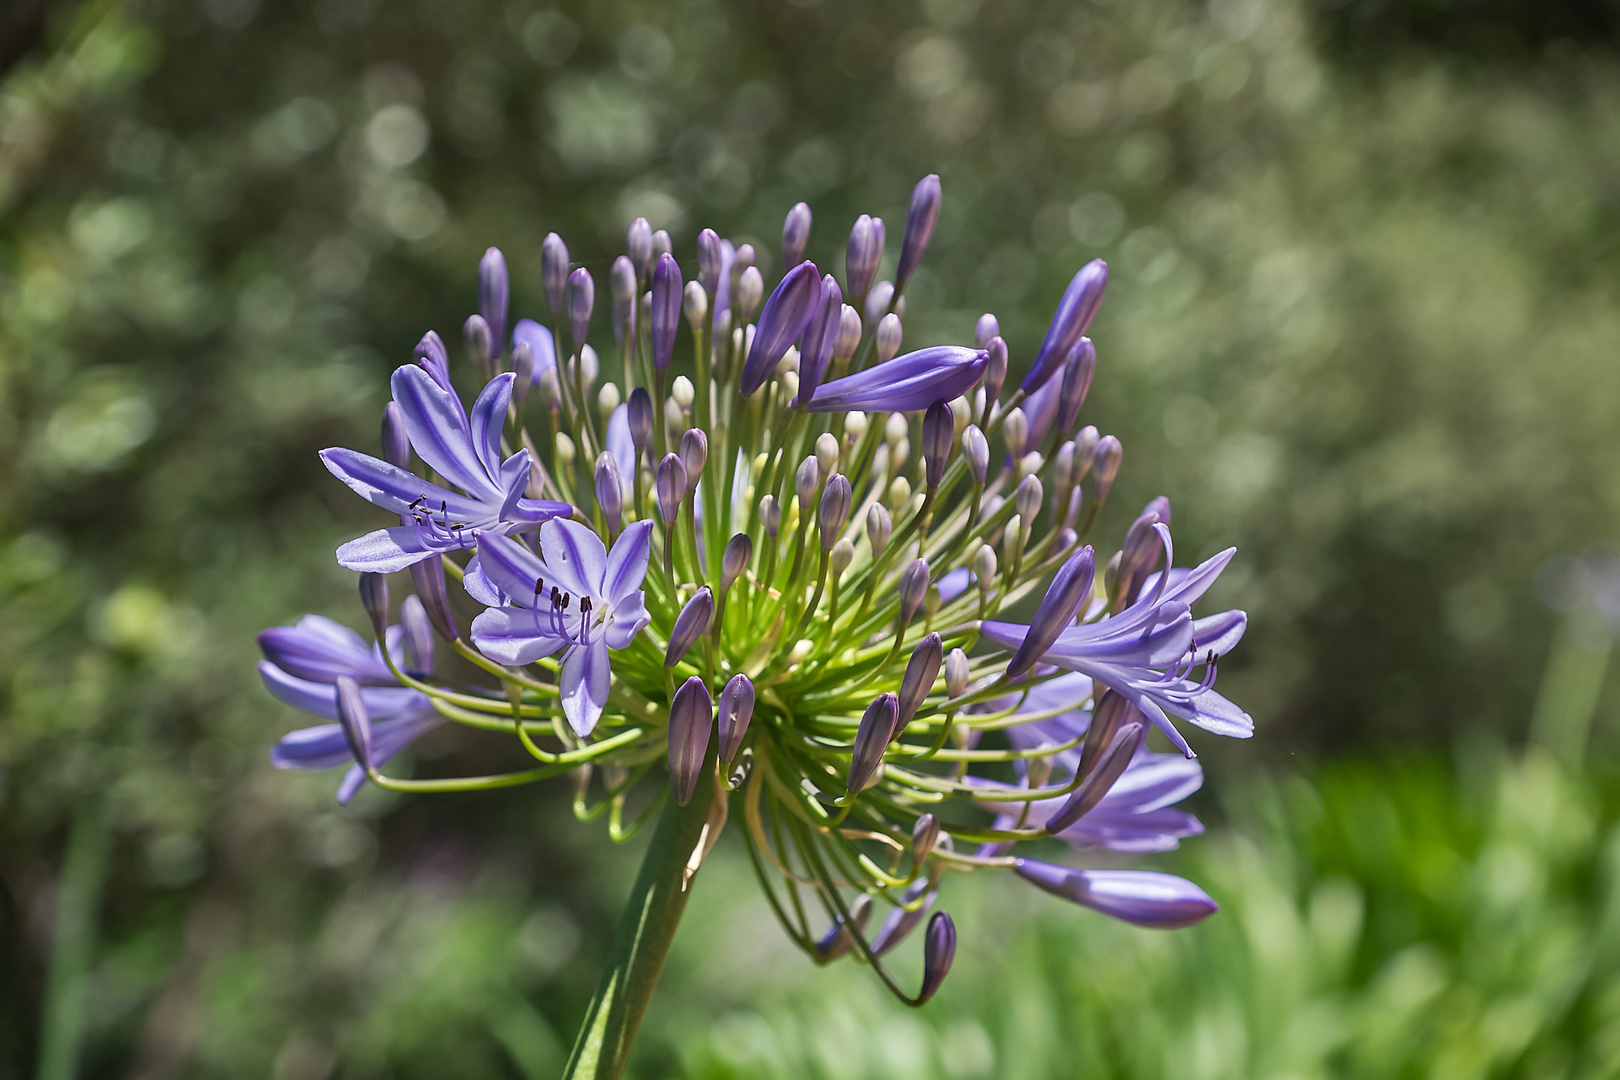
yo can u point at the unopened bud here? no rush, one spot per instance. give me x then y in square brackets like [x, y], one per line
[735, 559]
[550, 390]
[1030, 464]
[956, 674]
[607, 399]
[939, 950]
[795, 234]
[355, 720]
[843, 553]
[895, 428]
[1015, 432]
[924, 837]
[475, 334]
[683, 392]
[995, 372]
[889, 335]
[581, 301]
[709, 260]
[428, 577]
[589, 366]
[878, 301]
[736, 710]
[834, 509]
[913, 584]
[1078, 370]
[826, 452]
[855, 424]
[609, 490]
[563, 448]
[640, 416]
[622, 290]
[871, 739]
[984, 567]
[937, 432]
[805, 482]
[864, 252]
[638, 241]
[849, 333]
[396, 444]
[694, 455]
[879, 527]
[671, 487]
[1029, 498]
[899, 492]
[522, 370]
[976, 449]
[691, 715]
[986, 328]
[554, 271]
[1085, 448]
[374, 598]
[750, 288]
[691, 624]
[674, 417]
[770, 515]
[1105, 463]
[918, 682]
[695, 305]
[418, 634]
[1038, 770]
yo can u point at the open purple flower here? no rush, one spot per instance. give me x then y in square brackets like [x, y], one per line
[466, 451]
[908, 383]
[1149, 651]
[576, 597]
[302, 666]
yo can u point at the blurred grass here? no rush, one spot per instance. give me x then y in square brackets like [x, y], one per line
[1360, 324]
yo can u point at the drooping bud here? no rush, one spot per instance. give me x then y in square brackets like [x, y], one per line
[480, 345]
[788, 311]
[638, 242]
[710, 260]
[609, 491]
[1028, 499]
[805, 482]
[939, 950]
[622, 290]
[691, 624]
[838, 940]
[554, 272]
[1078, 370]
[428, 577]
[770, 515]
[956, 674]
[356, 720]
[671, 487]
[820, 337]
[924, 837]
[976, 449]
[834, 509]
[750, 287]
[695, 306]
[862, 256]
[374, 598]
[418, 635]
[920, 221]
[1074, 314]
[1105, 463]
[694, 455]
[937, 430]
[871, 739]
[523, 369]
[849, 333]
[878, 301]
[493, 292]
[691, 715]
[1015, 432]
[795, 234]
[735, 559]
[1069, 590]
[1111, 764]
[918, 682]
[736, 710]
[396, 444]
[1109, 713]
[889, 333]
[879, 527]
[913, 584]
[986, 328]
[995, 372]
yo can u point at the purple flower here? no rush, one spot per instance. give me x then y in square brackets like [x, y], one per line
[1074, 314]
[1070, 588]
[666, 309]
[539, 340]
[1149, 651]
[786, 314]
[575, 597]
[819, 338]
[466, 452]
[908, 383]
[1158, 901]
[302, 666]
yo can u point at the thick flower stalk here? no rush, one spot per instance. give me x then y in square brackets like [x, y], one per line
[773, 576]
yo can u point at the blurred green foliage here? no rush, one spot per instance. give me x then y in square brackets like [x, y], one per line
[1360, 324]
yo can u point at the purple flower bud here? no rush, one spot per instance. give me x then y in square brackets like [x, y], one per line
[805, 482]
[849, 333]
[1078, 370]
[900, 921]
[638, 242]
[554, 272]
[735, 559]
[1110, 766]
[494, 290]
[356, 720]
[434, 358]
[879, 526]
[374, 598]
[428, 577]
[924, 837]
[709, 261]
[661, 244]
[736, 710]
[418, 635]
[671, 487]
[834, 509]
[1028, 498]
[913, 584]
[1069, 589]
[691, 624]
[838, 940]
[795, 234]
[1143, 897]
[770, 515]
[1139, 554]
[986, 328]
[956, 673]
[1085, 447]
[1109, 714]
[938, 429]
[750, 287]
[788, 311]
[976, 448]
[862, 256]
[475, 335]
[609, 490]
[666, 309]
[878, 299]
[523, 368]
[908, 383]
[581, 299]
[622, 289]
[995, 372]
[918, 682]
[939, 949]
[691, 715]
[639, 411]
[694, 454]
[1105, 462]
[396, 444]
[1074, 314]
[920, 220]
[871, 739]
[820, 337]
[742, 259]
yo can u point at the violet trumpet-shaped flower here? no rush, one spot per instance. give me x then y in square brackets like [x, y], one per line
[1158, 901]
[909, 383]
[786, 314]
[576, 597]
[466, 452]
[1074, 314]
[302, 665]
[1149, 651]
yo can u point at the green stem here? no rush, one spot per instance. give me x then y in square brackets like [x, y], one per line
[641, 942]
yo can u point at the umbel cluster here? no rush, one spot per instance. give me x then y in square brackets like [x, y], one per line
[755, 546]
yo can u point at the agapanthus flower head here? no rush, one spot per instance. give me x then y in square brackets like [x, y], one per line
[791, 536]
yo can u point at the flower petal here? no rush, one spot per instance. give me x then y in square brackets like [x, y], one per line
[574, 556]
[540, 341]
[510, 636]
[384, 551]
[511, 568]
[439, 432]
[1143, 897]
[479, 586]
[629, 619]
[586, 677]
[627, 563]
[905, 384]
[489, 419]
[392, 488]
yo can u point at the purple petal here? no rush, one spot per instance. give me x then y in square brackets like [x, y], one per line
[479, 586]
[391, 487]
[907, 383]
[353, 781]
[320, 698]
[623, 449]
[1160, 901]
[629, 619]
[786, 313]
[1219, 634]
[574, 556]
[440, 433]
[513, 636]
[1153, 830]
[538, 339]
[320, 649]
[586, 676]
[385, 551]
[627, 564]
[954, 584]
[530, 511]
[488, 421]
[510, 567]
[1074, 314]
[320, 747]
